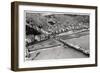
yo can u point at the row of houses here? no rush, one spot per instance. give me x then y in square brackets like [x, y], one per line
[58, 30]
[46, 35]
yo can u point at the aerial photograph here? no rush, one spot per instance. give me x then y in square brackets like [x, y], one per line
[56, 35]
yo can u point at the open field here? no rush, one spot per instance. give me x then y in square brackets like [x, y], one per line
[57, 52]
[53, 49]
[82, 41]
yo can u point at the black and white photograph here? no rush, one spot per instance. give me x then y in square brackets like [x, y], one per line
[52, 35]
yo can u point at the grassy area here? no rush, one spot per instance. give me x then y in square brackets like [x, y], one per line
[82, 41]
[42, 45]
[74, 35]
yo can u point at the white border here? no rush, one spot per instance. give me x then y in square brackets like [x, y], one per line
[60, 62]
